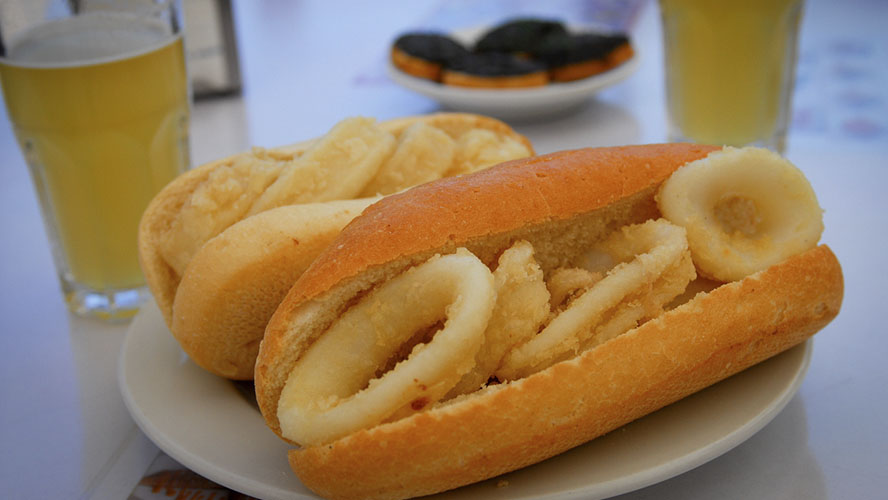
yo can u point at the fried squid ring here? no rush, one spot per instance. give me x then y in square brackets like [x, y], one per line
[335, 387]
[522, 304]
[566, 283]
[632, 291]
[744, 210]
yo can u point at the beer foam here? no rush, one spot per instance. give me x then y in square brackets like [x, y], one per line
[88, 39]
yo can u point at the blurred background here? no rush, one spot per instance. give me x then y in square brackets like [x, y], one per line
[277, 72]
[840, 82]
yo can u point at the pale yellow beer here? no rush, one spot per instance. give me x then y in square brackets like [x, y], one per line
[100, 108]
[730, 68]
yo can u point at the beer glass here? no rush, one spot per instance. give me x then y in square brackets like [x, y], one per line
[730, 68]
[98, 99]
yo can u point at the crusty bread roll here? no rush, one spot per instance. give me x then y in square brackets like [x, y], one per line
[237, 279]
[561, 203]
[218, 300]
[165, 207]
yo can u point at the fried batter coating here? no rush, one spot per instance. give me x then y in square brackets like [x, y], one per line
[423, 153]
[334, 389]
[337, 167]
[479, 148]
[630, 292]
[521, 307]
[356, 158]
[566, 282]
[216, 204]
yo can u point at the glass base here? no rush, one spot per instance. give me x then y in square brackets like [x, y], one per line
[106, 305]
[777, 143]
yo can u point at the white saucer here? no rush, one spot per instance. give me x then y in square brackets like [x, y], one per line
[207, 424]
[513, 103]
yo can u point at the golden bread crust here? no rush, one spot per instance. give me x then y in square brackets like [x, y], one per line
[237, 279]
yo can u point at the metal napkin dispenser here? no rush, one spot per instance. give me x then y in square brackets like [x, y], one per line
[211, 48]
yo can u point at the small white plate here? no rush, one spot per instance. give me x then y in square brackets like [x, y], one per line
[548, 100]
[206, 424]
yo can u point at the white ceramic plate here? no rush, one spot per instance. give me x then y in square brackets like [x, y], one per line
[513, 103]
[206, 424]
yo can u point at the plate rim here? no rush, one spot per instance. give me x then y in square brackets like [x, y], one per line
[583, 87]
[199, 464]
[731, 440]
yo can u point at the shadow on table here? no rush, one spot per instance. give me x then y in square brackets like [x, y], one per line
[594, 123]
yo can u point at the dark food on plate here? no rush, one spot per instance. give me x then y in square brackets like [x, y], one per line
[495, 69]
[424, 54]
[520, 36]
[583, 55]
[515, 54]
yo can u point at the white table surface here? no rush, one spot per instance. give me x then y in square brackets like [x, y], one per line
[64, 430]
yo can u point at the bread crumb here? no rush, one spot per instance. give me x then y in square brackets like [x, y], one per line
[502, 483]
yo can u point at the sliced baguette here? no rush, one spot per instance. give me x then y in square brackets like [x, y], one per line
[560, 203]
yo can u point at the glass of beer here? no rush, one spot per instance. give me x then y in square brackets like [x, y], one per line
[730, 69]
[99, 102]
